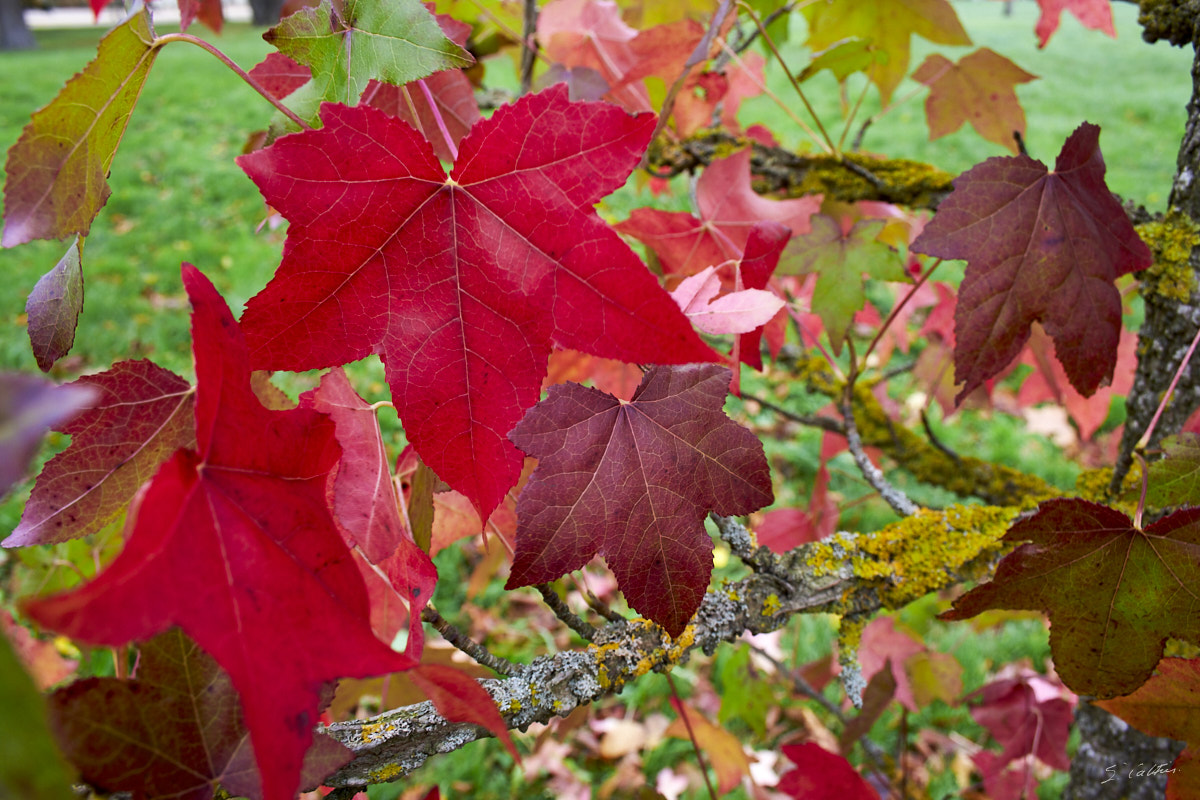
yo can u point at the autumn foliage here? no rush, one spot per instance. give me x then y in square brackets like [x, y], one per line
[274, 546]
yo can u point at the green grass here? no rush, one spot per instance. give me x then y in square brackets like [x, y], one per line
[1135, 92]
[177, 196]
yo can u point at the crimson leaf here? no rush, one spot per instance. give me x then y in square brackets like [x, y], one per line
[234, 543]
[633, 481]
[462, 282]
[1040, 247]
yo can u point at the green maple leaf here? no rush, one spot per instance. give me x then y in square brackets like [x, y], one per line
[1175, 480]
[347, 44]
[57, 172]
[840, 262]
[1114, 593]
[890, 24]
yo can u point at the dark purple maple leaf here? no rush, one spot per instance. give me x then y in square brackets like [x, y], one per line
[462, 283]
[633, 481]
[193, 740]
[1040, 247]
[234, 543]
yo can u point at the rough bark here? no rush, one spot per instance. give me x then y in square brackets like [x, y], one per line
[1170, 325]
[1110, 757]
[14, 33]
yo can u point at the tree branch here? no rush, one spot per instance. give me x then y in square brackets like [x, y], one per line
[848, 574]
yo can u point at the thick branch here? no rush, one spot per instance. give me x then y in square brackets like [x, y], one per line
[847, 575]
[849, 178]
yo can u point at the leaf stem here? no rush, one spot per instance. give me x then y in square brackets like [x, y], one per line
[791, 78]
[897, 308]
[1162, 406]
[437, 116]
[687, 723]
[159, 41]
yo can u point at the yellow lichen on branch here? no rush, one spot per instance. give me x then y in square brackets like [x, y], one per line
[920, 553]
[1171, 239]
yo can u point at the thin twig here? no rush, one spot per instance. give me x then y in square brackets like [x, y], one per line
[744, 45]
[891, 495]
[791, 78]
[469, 646]
[687, 723]
[824, 423]
[595, 604]
[933, 439]
[873, 751]
[561, 610]
[529, 47]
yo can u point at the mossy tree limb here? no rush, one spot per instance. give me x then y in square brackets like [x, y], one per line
[854, 574]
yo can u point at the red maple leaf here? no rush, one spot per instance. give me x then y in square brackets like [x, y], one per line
[729, 208]
[234, 543]
[1040, 247]
[821, 775]
[1094, 14]
[1029, 715]
[462, 282]
[633, 481]
[400, 576]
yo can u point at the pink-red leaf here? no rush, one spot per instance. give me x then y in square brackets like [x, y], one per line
[234, 543]
[141, 416]
[729, 209]
[399, 575]
[633, 481]
[479, 272]
[1040, 247]
[1114, 593]
[822, 775]
[1094, 14]
[194, 739]
[207, 11]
